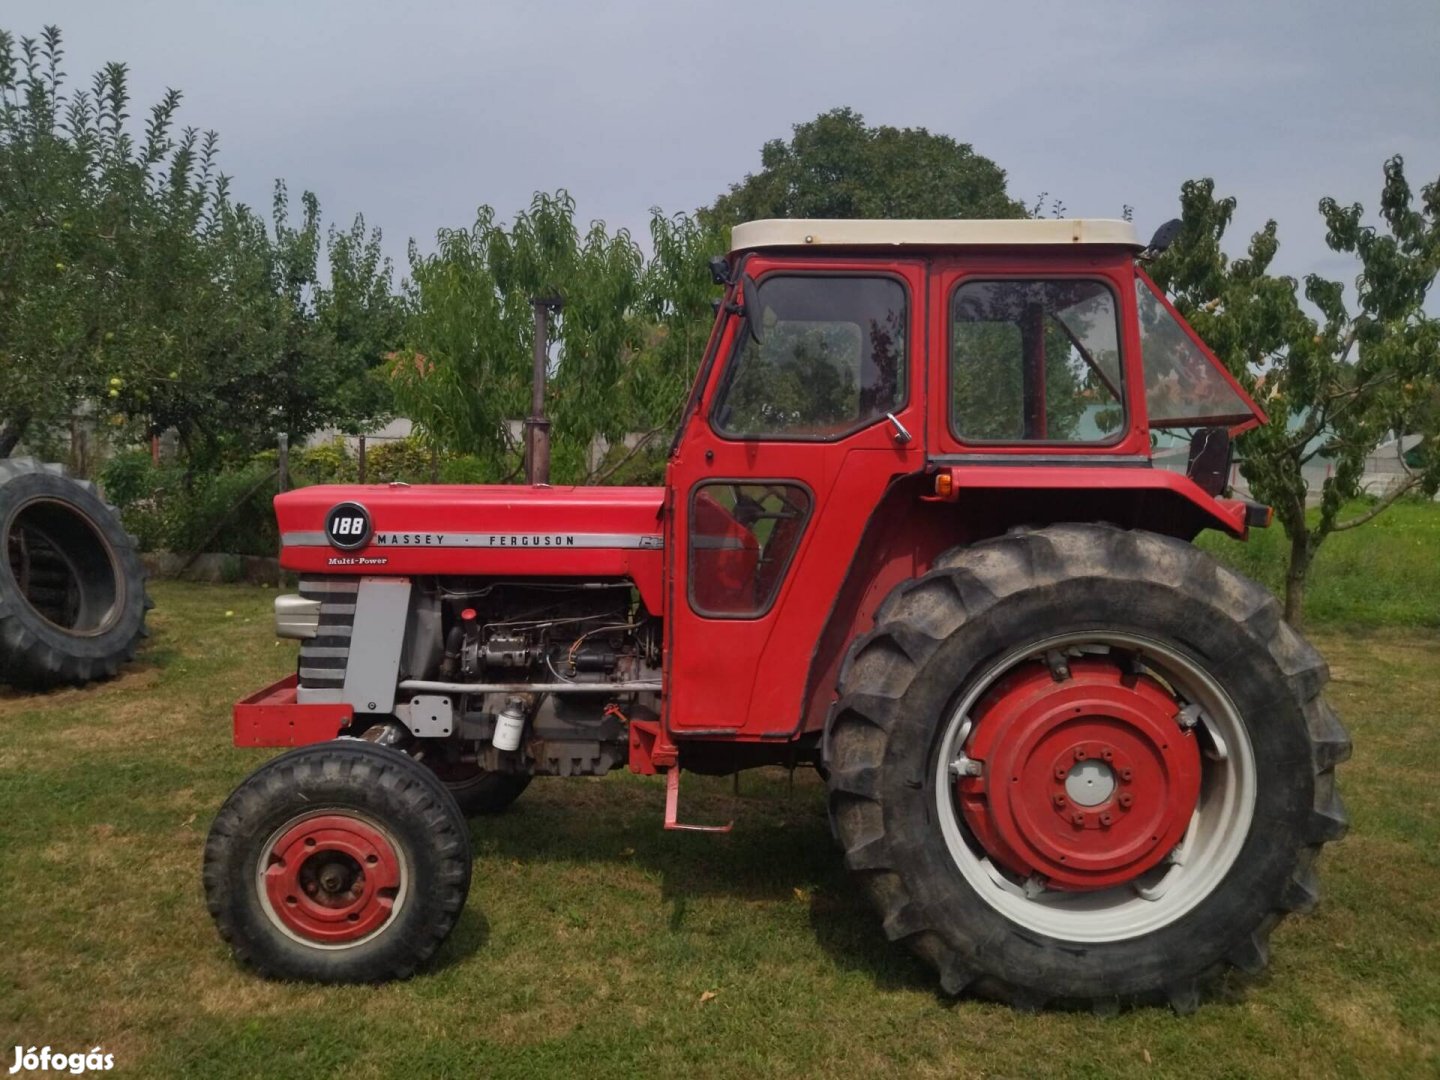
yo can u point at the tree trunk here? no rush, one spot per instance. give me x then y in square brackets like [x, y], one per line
[1296, 577]
[12, 431]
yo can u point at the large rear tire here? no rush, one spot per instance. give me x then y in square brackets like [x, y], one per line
[72, 589]
[1084, 765]
[340, 862]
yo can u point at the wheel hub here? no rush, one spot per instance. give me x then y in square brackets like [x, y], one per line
[1087, 779]
[331, 878]
[1089, 783]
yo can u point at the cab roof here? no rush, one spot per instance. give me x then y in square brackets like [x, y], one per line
[943, 232]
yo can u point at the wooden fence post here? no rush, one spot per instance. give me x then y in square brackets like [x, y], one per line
[282, 472]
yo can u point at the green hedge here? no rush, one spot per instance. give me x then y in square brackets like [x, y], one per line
[168, 508]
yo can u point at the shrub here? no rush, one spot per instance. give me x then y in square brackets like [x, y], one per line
[127, 477]
[328, 463]
[165, 508]
[406, 460]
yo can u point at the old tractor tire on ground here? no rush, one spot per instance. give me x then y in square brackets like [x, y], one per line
[1085, 766]
[72, 589]
[340, 862]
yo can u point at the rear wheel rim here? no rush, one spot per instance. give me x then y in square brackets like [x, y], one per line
[63, 567]
[1134, 894]
[332, 879]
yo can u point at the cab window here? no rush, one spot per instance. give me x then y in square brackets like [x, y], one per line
[742, 538]
[830, 359]
[1035, 361]
[1182, 387]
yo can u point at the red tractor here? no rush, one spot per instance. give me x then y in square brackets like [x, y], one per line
[911, 534]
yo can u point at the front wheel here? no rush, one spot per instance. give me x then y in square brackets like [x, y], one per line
[1085, 765]
[340, 862]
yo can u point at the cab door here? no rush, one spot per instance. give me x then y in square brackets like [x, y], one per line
[798, 429]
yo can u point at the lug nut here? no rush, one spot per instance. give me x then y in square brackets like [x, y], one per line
[1105, 818]
[1107, 753]
[1125, 800]
[1079, 753]
[1061, 773]
[1125, 774]
[1078, 818]
[1059, 800]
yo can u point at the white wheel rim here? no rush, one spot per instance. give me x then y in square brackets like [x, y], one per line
[1217, 832]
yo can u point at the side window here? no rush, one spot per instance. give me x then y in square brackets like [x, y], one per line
[830, 359]
[1183, 388]
[742, 538]
[1035, 361]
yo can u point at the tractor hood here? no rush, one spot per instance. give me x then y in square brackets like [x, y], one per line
[487, 530]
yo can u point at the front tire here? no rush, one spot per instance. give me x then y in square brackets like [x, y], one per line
[340, 862]
[1084, 765]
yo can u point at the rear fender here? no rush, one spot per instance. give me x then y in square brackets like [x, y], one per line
[911, 527]
[1155, 499]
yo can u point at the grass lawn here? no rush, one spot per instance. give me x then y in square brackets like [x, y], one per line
[594, 943]
[1385, 573]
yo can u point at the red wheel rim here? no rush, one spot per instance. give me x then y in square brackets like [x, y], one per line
[331, 878]
[1089, 778]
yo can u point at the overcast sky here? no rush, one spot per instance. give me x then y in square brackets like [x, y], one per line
[416, 112]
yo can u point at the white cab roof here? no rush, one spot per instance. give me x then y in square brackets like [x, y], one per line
[944, 232]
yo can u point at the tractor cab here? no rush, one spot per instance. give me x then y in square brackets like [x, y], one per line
[862, 372]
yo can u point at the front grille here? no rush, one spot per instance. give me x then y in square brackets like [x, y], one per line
[323, 657]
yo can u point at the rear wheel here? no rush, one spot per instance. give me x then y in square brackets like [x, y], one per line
[1084, 764]
[478, 791]
[337, 863]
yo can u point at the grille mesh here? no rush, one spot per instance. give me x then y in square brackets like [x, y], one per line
[323, 657]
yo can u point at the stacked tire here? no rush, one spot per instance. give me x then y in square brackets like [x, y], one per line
[72, 589]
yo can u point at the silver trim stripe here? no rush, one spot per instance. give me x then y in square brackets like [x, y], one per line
[640, 686]
[323, 585]
[529, 541]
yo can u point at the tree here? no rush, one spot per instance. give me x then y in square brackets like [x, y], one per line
[1334, 386]
[626, 342]
[253, 341]
[133, 287]
[362, 320]
[836, 166]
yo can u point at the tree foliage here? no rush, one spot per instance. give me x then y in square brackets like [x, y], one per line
[837, 166]
[626, 343]
[1336, 384]
[133, 286]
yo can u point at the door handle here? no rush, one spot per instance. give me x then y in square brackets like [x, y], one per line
[902, 434]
